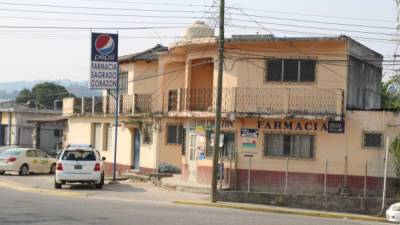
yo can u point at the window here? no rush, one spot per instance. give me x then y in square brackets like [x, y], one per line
[148, 133]
[57, 133]
[79, 155]
[123, 83]
[31, 154]
[372, 140]
[174, 133]
[289, 145]
[41, 154]
[291, 70]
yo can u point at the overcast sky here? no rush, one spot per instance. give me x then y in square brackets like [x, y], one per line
[31, 54]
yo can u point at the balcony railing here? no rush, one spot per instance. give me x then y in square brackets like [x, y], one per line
[307, 101]
[128, 104]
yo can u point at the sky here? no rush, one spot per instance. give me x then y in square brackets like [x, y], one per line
[38, 42]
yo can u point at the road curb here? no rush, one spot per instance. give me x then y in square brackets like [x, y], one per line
[19, 187]
[284, 211]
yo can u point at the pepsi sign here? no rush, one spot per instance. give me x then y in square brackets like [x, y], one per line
[104, 47]
[104, 61]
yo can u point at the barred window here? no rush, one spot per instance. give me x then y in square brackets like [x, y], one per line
[290, 70]
[148, 134]
[174, 133]
[289, 145]
[123, 83]
[372, 140]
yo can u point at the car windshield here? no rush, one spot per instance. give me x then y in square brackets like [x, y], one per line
[11, 152]
[78, 155]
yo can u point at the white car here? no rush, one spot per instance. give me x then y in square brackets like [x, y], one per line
[393, 213]
[26, 161]
[79, 164]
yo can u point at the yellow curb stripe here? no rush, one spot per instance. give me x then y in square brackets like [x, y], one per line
[281, 211]
[18, 187]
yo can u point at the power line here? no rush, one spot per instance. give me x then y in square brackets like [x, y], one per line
[95, 14]
[312, 15]
[86, 28]
[315, 21]
[92, 20]
[99, 8]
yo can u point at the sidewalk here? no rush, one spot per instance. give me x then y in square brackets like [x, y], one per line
[176, 183]
[283, 210]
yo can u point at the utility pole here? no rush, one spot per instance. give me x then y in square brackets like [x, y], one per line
[116, 128]
[221, 41]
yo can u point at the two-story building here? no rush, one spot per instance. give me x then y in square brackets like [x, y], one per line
[307, 108]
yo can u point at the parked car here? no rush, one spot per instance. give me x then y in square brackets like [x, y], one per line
[26, 161]
[79, 164]
[393, 213]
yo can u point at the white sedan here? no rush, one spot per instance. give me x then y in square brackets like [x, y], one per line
[393, 213]
[26, 161]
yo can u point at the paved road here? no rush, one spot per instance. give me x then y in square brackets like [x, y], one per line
[32, 208]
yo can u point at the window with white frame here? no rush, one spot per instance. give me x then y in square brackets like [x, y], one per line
[289, 145]
[373, 140]
[290, 70]
[174, 133]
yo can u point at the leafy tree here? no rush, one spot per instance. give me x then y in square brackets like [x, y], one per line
[391, 99]
[395, 150]
[24, 96]
[43, 94]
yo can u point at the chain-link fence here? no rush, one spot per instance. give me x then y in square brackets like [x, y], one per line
[317, 178]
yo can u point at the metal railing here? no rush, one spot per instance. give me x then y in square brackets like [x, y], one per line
[129, 104]
[259, 100]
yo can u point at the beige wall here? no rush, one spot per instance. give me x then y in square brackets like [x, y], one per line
[330, 147]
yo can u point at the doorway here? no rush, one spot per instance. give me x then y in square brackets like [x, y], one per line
[136, 150]
[192, 157]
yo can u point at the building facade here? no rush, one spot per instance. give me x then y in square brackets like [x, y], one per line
[24, 126]
[304, 108]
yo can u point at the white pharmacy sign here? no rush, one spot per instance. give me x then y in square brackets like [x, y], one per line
[104, 61]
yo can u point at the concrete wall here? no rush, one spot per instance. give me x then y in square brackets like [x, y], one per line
[370, 206]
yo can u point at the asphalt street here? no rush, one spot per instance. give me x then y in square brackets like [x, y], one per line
[33, 208]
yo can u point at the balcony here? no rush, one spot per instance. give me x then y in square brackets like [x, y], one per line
[270, 101]
[128, 105]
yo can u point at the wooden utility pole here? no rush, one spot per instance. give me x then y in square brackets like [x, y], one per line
[221, 40]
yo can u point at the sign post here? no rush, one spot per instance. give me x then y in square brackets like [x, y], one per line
[104, 73]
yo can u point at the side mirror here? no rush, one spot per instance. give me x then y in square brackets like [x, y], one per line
[103, 158]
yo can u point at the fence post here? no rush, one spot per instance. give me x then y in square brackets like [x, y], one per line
[82, 105]
[248, 175]
[93, 104]
[325, 175]
[345, 170]
[286, 175]
[365, 178]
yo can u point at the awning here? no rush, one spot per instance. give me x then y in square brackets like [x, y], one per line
[48, 119]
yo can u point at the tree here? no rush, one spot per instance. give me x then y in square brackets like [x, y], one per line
[390, 94]
[24, 96]
[43, 95]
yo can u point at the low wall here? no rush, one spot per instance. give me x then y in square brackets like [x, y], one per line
[370, 206]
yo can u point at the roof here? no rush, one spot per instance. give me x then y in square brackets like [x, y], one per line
[147, 55]
[13, 106]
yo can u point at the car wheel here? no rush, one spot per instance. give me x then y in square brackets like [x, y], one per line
[57, 185]
[53, 169]
[24, 170]
[101, 184]
[2, 172]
